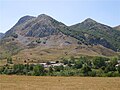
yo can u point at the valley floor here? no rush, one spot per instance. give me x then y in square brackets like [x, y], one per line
[14, 82]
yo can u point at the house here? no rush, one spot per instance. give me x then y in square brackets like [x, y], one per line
[57, 64]
[117, 65]
[52, 63]
[119, 61]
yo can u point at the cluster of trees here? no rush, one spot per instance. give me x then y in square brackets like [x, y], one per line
[97, 66]
[20, 69]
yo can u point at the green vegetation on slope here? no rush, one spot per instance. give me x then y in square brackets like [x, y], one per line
[95, 33]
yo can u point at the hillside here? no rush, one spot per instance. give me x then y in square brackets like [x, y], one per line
[44, 38]
[40, 26]
[117, 27]
[92, 32]
[1, 35]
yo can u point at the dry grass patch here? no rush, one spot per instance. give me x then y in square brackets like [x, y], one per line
[58, 83]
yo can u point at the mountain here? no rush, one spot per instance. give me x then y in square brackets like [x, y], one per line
[117, 27]
[44, 38]
[1, 35]
[30, 32]
[40, 26]
[92, 32]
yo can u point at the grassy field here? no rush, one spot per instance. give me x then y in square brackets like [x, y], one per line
[58, 83]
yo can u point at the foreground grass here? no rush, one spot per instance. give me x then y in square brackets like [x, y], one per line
[58, 83]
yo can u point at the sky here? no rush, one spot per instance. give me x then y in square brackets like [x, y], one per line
[67, 11]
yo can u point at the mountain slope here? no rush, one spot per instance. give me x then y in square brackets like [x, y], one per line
[18, 25]
[117, 27]
[30, 32]
[40, 26]
[95, 33]
[44, 36]
[1, 35]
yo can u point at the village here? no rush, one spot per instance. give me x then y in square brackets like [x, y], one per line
[58, 63]
[52, 64]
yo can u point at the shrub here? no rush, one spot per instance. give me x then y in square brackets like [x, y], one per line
[98, 62]
[58, 68]
[85, 69]
[9, 60]
[14, 35]
[118, 68]
[38, 70]
[78, 64]
[92, 73]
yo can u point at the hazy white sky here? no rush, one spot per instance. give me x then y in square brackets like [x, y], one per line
[67, 11]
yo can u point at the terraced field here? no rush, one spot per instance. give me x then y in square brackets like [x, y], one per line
[58, 83]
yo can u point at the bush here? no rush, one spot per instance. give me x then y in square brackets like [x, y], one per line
[78, 64]
[118, 68]
[109, 74]
[38, 41]
[110, 68]
[98, 62]
[18, 69]
[58, 68]
[51, 70]
[14, 35]
[92, 73]
[65, 61]
[85, 69]
[38, 70]
[9, 60]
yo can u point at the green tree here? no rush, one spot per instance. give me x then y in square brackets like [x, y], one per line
[113, 61]
[58, 68]
[78, 64]
[51, 70]
[111, 65]
[65, 61]
[2, 69]
[9, 60]
[92, 73]
[118, 68]
[18, 68]
[98, 62]
[85, 69]
[72, 59]
[38, 70]
[109, 68]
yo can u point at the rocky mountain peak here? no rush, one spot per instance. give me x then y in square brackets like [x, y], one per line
[44, 17]
[89, 20]
[24, 19]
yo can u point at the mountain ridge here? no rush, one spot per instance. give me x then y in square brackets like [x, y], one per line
[1, 35]
[44, 31]
[117, 27]
[98, 31]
